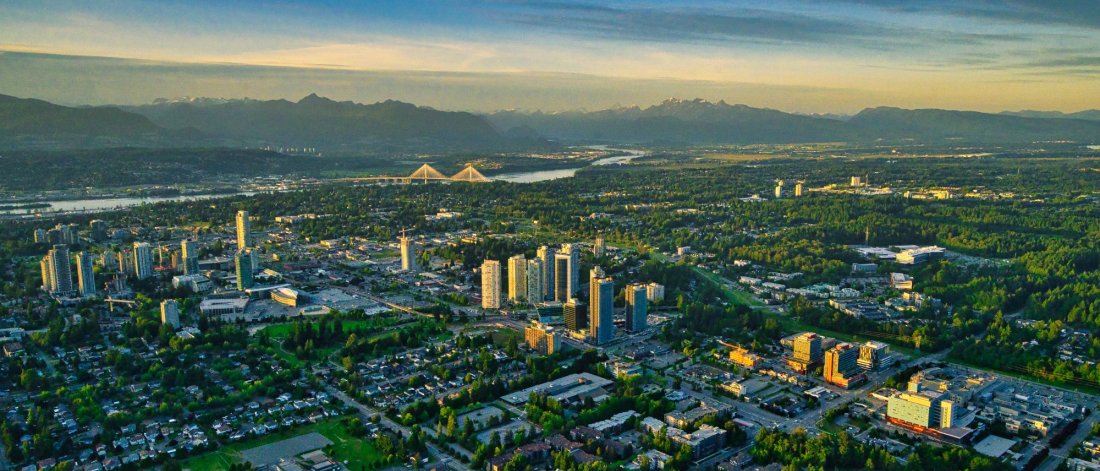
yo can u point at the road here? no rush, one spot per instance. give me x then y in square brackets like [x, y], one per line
[1058, 455]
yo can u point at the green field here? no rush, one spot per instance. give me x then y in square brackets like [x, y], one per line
[356, 452]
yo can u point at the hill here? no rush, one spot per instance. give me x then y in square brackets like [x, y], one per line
[322, 123]
[30, 120]
[702, 122]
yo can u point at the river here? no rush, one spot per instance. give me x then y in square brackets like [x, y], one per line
[110, 204]
[543, 175]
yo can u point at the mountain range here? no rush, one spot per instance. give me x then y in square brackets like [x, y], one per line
[394, 126]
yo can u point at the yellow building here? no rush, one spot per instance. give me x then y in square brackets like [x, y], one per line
[542, 338]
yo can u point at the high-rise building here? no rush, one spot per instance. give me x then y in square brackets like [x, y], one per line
[655, 292]
[598, 247]
[40, 236]
[243, 262]
[798, 189]
[490, 284]
[856, 181]
[779, 188]
[561, 277]
[61, 273]
[921, 410]
[574, 268]
[244, 230]
[85, 275]
[807, 351]
[47, 274]
[189, 257]
[840, 366]
[534, 280]
[546, 256]
[872, 355]
[517, 278]
[68, 233]
[542, 338]
[601, 308]
[636, 307]
[98, 230]
[576, 315]
[408, 255]
[54, 237]
[126, 261]
[143, 260]
[170, 313]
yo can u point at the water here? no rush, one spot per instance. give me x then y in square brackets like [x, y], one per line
[543, 175]
[108, 204]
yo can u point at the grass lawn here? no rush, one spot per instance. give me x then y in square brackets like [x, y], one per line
[357, 452]
[734, 296]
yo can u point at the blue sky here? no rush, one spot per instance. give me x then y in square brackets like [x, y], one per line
[799, 55]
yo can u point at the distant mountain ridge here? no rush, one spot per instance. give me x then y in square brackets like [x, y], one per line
[1091, 115]
[316, 121]
[702, 122]
[28, 116]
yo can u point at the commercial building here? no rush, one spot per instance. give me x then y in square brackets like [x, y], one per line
[573, 273]
[223, 306]
[244, 230]
[143, 260]
[901, 281]
[601, 308]
[562, 264]
[288, 296]
[542, 338]
[243, 262]
[490, 284]
[85, 275]
[872, 355]
[170, 313]
[920, 255]
[575, 313]
[742, 356]
[921, 410]
[517, 278]
[807, 351]
[636, 307]
[655, 292]
[841, 368]
[546, 256]
[534, 281]
[408, 255]
[195, 283]
[190, 256]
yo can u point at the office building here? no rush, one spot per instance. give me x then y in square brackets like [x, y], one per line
[872, 355]
[517, 278]
[575, 313]
[243, 262]
[98, 229]
[636, 307]
[170, 313]
[189, 257]
[542, 338]
[921, 410]
[490, 284]
[143, 260]
[534, 281]
[244, 231]
[408, 255]
[601, 307]
[547, 255]
[561, 277]
[742, 356]
[841, 367]
[574, 268]
[920, 255]
[61, 273]
[807, 352]
[85, 275]
[598, 247]
[655, 292]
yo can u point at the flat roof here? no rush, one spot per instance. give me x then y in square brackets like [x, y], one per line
[994, 446]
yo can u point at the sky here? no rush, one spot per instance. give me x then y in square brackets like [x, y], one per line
[811, 56]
